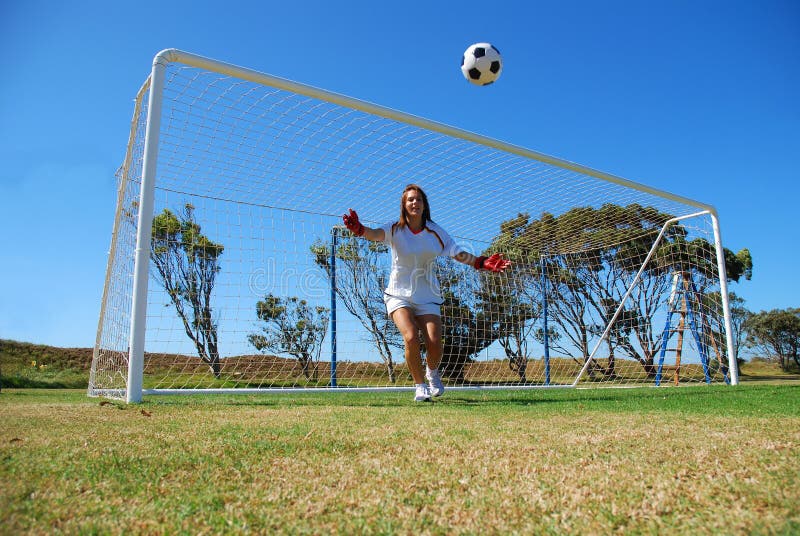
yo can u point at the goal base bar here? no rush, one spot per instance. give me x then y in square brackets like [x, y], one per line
[272, 390]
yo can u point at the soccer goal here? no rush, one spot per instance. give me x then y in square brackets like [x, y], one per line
[229, 269]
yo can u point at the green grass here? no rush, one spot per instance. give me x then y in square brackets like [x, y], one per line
[707, 459]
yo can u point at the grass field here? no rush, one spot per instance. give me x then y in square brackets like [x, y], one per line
[687, 460]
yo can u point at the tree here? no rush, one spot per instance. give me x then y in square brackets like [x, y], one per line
[360, 280]
[291, 327]
[514, 299]
[567, 305]
[187, 264]
[512, 305]
[584, 289]
[466, 327]
[480, 308]
[739, 317]
[777, 334]
[738, 265]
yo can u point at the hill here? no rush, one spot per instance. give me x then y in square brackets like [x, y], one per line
[24, 364]
[15, 352]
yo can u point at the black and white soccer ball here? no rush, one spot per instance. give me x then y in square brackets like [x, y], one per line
[481, 64]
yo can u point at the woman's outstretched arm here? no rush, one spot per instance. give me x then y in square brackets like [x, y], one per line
[357, 228]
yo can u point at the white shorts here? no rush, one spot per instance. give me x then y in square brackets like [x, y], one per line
[393, 303]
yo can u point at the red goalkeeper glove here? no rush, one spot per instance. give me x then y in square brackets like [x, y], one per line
[495, 263]
[352, 223]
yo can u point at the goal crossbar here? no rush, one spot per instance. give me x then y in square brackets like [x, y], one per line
[171, 55]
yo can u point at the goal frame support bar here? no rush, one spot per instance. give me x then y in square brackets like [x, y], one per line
[114, 235]
[733, 365]
[141, 270]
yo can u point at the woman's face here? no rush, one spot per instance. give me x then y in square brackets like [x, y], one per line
[414, 204]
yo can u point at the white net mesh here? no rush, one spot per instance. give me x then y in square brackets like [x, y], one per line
[250, 187]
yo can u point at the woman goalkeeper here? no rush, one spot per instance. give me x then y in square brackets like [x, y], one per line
[413, 299]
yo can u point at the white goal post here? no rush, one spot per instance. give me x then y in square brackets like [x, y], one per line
[229, 270]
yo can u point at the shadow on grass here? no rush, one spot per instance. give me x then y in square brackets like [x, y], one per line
[753, 399]
[633, 398]
[769, 377]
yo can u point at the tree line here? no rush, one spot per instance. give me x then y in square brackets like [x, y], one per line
[583, 290]
[187, 264]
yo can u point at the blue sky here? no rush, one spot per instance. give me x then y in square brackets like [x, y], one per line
[695, 97]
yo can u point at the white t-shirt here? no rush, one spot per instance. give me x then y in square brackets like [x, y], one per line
[413, 276]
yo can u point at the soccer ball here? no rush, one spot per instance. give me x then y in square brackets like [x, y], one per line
[481, 64]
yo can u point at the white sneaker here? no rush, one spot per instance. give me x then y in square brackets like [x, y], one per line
[435, 381]
[423, 394]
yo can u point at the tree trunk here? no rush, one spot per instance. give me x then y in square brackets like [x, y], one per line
[522, 364]
[304, 364]
[610, 371]
[386, 355]
[390, 370]
[216, 367]
[214, 361]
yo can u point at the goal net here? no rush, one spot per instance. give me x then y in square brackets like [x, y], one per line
[229, 269]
